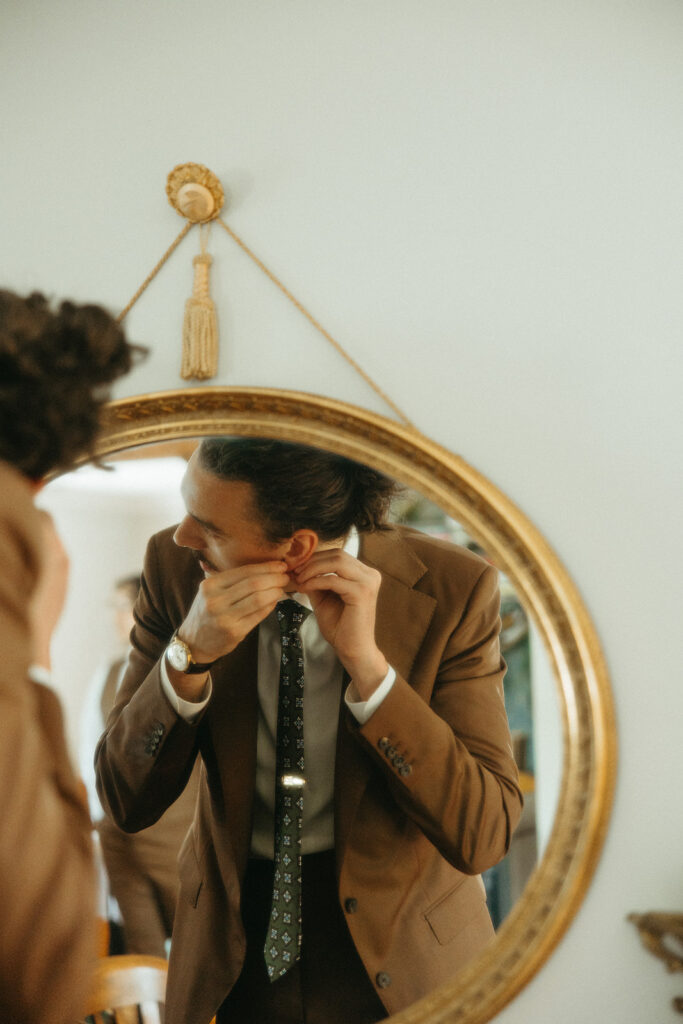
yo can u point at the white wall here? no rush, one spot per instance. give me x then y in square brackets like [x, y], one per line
[482, 200]
[105, 520]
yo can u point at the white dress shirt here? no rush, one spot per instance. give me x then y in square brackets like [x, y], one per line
[322, 681]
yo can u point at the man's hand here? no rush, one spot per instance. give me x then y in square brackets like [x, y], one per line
[227, 606]
[343, 593]
[47, 600]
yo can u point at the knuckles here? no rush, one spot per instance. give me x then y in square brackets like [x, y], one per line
[374, 580]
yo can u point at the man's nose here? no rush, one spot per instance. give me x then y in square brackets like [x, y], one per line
[188, 536]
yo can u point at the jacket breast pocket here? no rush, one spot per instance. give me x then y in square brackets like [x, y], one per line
[457, 908]
[190, 874]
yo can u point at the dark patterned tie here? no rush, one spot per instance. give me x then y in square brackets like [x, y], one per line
[283, 940]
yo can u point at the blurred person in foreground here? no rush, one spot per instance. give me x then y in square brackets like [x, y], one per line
[55, 368]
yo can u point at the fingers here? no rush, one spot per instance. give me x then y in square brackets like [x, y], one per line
[232, 605]
[52, 542]
[333, 569]
[330, 582]
[214, 626]
[245, 573]
[258, 603]
[49, 595]
[252, 614]
[233, 588]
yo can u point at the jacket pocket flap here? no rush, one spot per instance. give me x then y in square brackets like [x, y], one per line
[456, 908]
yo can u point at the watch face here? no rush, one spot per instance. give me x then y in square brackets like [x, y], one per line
[178, 656]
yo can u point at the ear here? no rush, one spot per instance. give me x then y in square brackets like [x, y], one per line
[300, 547]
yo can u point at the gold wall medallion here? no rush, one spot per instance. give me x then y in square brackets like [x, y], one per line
[195, 192]
[554, 892]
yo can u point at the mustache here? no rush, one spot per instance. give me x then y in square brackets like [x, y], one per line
[198, 557]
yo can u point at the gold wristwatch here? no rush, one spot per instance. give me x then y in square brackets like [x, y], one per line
[180, 657]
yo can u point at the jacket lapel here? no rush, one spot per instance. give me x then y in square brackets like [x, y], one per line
[403, 618]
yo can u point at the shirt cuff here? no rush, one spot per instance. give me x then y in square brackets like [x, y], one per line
[189, 710]
[363, 709]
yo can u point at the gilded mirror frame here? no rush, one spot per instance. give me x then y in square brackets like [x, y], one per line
[559, 882]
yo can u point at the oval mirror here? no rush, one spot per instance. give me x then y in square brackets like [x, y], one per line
[579, 784]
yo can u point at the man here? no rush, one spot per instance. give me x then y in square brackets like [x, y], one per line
[55, 368]
[406, 781]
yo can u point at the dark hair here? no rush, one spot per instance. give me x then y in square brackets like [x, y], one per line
[55, 368]
[131, 585]
[296, 487]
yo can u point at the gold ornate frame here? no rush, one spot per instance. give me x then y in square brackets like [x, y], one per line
[555, 890]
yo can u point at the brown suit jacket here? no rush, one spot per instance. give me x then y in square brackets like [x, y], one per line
[47, 922]
[426, 792]
[142, 866]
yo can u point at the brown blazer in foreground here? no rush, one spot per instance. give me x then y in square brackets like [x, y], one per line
[47, 923]
[407, 845]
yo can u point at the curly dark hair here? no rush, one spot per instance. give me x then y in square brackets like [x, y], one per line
[55, 371]
[297, 487]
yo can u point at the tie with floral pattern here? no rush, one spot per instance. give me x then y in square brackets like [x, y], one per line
[283, 940]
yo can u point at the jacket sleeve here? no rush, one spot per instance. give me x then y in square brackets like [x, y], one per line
[445, 745]
[146, 754]
[47, 892]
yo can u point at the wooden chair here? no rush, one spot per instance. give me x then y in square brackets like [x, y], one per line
[103, 937]
[128, 990]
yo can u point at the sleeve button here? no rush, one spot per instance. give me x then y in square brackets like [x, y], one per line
[383, 980]
[351, 905]
[383, 743]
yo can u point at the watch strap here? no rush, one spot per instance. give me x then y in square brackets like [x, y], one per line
[194, 668]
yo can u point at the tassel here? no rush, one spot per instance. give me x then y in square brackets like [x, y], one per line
[200, 331]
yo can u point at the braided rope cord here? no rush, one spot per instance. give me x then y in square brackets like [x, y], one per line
[318, 326]
[288, 295]
[153, 273]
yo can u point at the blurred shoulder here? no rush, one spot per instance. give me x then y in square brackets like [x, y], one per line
[20, 533]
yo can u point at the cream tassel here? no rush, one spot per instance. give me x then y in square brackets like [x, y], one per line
[200, 332]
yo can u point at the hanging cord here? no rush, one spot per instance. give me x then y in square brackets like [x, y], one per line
[302, 309]
[150, 277]
[285, 291]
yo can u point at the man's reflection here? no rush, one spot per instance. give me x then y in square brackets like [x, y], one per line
[405, 784]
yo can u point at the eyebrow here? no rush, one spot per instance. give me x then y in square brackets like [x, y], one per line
[206, 524]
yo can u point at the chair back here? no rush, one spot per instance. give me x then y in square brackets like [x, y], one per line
[128, 989]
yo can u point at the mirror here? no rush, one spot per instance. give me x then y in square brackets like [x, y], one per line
[560, 628]
[105, 519]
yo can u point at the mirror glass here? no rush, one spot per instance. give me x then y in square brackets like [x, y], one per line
[105, 519]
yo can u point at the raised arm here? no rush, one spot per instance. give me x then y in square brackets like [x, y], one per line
[147, 751]
[446, 747]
